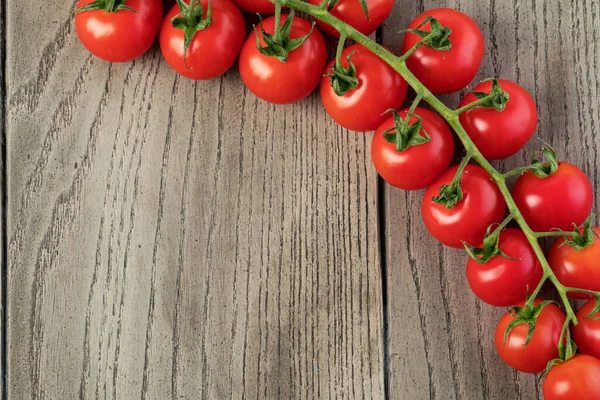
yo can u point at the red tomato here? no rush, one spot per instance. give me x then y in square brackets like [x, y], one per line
[222, 39]
[578, 378]
[586, 333]
[278, 82]
[500, 134]
[379, 89]
[482, 205]
[555, 202]
[543, 346]
[577, 268]
[119, 36]
[502, 282]
[404, 169]
[351, 12]
[450, 70]
[256, 6]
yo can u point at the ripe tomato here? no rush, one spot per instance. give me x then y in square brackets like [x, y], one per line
[449, 70]
[379, 89]
[482, 205]
[502, 282]
[122, 35]
[577, 268]
[352, 13]
[577, 378]
[586, 333]
[543, 347]
[222, 39]
[404, 169]
[500, 134]
[284, 82]
[256, 6]
[555, 202]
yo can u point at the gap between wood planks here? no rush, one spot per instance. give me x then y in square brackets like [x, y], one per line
[4, 196]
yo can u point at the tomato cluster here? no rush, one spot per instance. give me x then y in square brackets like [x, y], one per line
[284, 59]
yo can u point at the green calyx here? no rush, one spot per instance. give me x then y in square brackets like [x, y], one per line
[489, 249]
[437, 38]
[566, 349]
[544, 169]
[595, 310]
[580, 241]
[191, 20]
[525, 316]
[106, 5]
[363, 5]
[451, 194]
[343, 80]
[404, 134]
[279, 44]
[496, 98]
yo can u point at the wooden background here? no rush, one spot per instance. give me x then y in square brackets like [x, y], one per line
[168, 239]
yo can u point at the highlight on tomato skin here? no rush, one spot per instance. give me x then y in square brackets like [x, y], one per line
[586, 333]
[500, 134]
[447, 71]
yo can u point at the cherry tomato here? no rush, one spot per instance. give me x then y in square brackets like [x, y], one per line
[404, 169]
[502, 282]
[543, 346]
[578, 378]
[222, 39]
[586, 333]
[555, 202]
[119, 36]
[577, 268]
[379, 89]
[500, 134]
[256, 6]
[278, 82]
[482, 205]
[451, 70]
[351, 12]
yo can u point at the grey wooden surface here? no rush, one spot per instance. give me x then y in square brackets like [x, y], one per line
[172, 239]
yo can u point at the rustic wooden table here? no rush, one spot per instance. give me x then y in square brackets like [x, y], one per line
[172, 239]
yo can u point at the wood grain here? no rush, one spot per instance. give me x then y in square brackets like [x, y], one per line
[2, 207]
[172, 239]
[440, 336]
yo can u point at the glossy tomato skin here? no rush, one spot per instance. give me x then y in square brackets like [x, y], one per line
[222, 40]
[482, 205]
[406, 169]
[256, 6]
[577, 268]
[289, 82]
[122, 35]
[447, 71]
[576, 379]
[352, 13]
[502, 282]
[379, 89]
[543, 346]
[555, 202]
[500, 134]
[586, 333]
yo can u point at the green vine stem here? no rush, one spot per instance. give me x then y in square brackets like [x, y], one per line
[452, 118]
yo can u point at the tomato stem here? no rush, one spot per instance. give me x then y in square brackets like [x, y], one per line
[451, 117]
[340, 49]
[417, 45]
[474, 104]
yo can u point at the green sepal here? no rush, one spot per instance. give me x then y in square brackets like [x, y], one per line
[565, 353]
[279, 44]
[106, 5]
[596, 310]
[343, 80]
[191, 20]
[580, 241]
[405, 135]
[441, 38]
[449, 195]
[498, 100]
[363, 5]
[525, 315]
[489, 249]
[544, 169]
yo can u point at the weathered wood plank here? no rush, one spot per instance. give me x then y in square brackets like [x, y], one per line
[440, 336]
[177, 240]
[2, 207]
